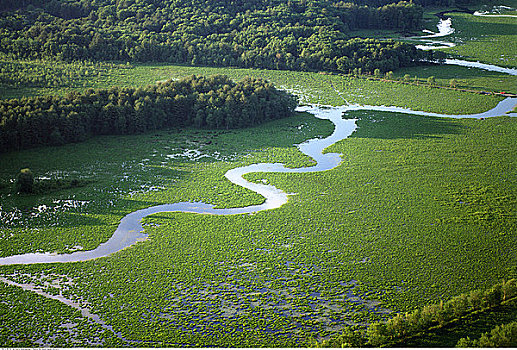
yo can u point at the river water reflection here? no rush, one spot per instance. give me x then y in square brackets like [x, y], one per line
[130, 229]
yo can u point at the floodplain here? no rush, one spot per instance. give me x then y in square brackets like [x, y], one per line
[420, 209]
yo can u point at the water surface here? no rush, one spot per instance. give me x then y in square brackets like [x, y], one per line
[130, 229]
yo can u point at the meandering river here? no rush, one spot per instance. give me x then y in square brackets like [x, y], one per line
[130, 229]
[445, 28]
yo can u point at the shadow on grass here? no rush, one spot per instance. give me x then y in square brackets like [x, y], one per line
[472, 326]
[388, 125]
[446, 72]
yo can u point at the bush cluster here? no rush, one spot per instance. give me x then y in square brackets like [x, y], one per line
[213, 102]
[503, 336]
[402, 326]
[439, 314]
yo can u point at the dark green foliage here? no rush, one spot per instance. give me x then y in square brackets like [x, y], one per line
[308, 35]
[430, 3]
[503, 336]
[213, 102]
[405, 16]
[27, 184]
[46, 186]
[473, 325]
[25, 181]
[55, 138]
[401, 326]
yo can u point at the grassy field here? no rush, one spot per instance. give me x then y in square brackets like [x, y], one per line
[490, 40]
[159, 160]
[421, 209]
[403, 228]
[310, 87]
[487, 39]
[473, 79]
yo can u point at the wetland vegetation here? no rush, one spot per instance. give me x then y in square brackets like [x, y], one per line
[284, 257]
[421, 210]
[486, 39]
[450, 320]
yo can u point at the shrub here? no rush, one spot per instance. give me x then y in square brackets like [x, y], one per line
[25, 181]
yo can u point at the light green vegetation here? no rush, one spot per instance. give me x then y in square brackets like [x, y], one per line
[490, 40]
[87, 216]
[36, 73]
[402, 227]
[311, 87]
[464, 78]
[25, 78]
[420, 210]
[430, 217]
[66, 326]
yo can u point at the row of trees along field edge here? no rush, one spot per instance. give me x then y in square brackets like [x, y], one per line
[211, 102]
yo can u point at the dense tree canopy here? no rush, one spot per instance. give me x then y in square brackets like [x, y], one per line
[213, 102]
[272, 34]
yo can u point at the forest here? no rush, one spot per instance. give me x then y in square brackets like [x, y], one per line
[213, 102]
[295, 35]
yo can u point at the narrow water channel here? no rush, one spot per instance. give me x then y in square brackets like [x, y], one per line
[130, 229]
[445, 28]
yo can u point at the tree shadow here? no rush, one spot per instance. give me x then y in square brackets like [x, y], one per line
[473, 326]
[389, 125]
[446, 72]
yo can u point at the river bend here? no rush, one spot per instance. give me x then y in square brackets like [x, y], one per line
[130, 229]
[445, 28]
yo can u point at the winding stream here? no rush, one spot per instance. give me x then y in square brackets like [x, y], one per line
[496, 12]
[130, 229]
[445, 28]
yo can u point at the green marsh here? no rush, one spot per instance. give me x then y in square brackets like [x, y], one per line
[390, 226]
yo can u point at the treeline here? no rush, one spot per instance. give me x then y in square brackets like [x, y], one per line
[405, 16]
[59, 8]
[503, 336]
[430, 3]
[270, 34]
[213, 102]
[81, 8]
[403, 326]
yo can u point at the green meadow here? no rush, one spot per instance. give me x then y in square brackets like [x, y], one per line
[386, 231]
[322, 88]
[490, 40]
[421, 209]
[461, 78]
